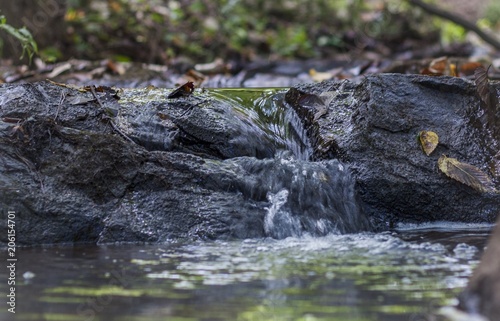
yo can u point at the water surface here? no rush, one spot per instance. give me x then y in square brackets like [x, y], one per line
[406, 274]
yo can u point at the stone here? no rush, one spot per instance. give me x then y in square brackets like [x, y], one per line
[141, 168]
[482, 294]
[373, 126]
[133, 166]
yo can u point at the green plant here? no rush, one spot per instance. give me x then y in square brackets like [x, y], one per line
[23, 35]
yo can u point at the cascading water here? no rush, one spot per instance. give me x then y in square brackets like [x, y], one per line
[315, 198]
[304, 197]
[266, 109]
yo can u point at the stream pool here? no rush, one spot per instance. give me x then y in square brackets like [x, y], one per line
[406, 274]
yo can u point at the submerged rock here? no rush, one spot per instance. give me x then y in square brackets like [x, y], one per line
[373, 126]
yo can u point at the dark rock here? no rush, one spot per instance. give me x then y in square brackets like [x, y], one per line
[373, 126]
[143, 169]
[199, 124]
[482, 294]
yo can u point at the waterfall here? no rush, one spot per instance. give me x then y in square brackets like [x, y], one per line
[304, 197]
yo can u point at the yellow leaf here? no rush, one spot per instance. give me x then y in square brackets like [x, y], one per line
[466, 174]
[320, 76]
[429, 141]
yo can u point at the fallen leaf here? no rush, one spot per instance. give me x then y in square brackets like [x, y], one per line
[59, 70]
[116, 67]
[428, 140]
[182, 91]
[196, 76]
[466, 174]
[439, 65]
[218, 66]
[453, 70]
[69, 86]
[488, 96]
[318, 76]
[482, 84]
[468, 68]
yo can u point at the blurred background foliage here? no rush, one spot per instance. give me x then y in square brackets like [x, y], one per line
[156, 31]
[203, 30]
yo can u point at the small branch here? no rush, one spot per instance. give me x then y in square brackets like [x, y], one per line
[113, 125]
[120, 132]
[63, 97]
[457, 20]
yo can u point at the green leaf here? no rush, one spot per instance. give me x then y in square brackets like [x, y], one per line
[23, 35]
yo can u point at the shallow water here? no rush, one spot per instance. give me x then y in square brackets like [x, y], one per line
[406, 274]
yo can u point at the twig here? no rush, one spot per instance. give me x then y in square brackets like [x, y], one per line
[63, 97]
[457, 20]
[113, 125]
[120, 132]
[190, 109]
[92, 90]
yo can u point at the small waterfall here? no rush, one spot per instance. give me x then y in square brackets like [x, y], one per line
[303, 197]
[265, 109]
[279, 223]
[315, 198]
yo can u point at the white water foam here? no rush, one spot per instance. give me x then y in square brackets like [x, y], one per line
[444, 225]
[278, 222]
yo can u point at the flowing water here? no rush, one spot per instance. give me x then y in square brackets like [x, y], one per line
[400, 275]
[311, 274]
[265, 109]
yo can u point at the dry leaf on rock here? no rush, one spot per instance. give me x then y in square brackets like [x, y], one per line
[429, 141]
[466, 174]
[482, 84]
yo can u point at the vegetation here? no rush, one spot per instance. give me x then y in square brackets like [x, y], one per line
[160, 31]
[22, 35]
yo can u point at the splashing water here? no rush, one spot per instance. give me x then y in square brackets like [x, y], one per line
[315, 198]
[278, 223]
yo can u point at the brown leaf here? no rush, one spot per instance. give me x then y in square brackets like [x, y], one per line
[453, 70]
[466, 174]
[429, 141]
[468, 68]
[482, 84]
[439, 65]
[182, 91]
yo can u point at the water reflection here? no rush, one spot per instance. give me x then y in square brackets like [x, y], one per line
[402, 275]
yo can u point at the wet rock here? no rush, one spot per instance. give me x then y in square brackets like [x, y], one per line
[199, 124]
[77, 168]
[146, 169]
[482, 294]
[373, 126]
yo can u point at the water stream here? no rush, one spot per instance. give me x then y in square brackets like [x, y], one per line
[304, 270]
[265, 109]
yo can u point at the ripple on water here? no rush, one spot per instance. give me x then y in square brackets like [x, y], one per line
[373, 255]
